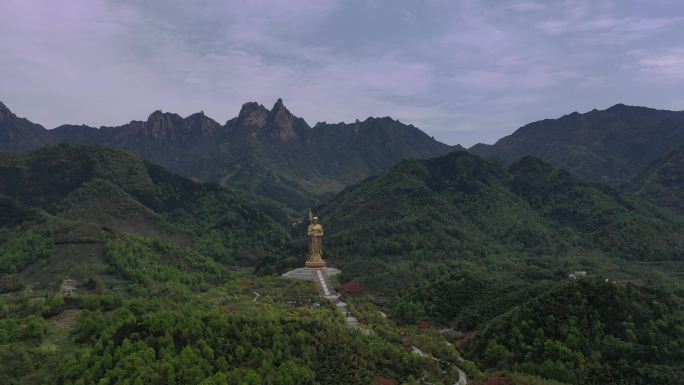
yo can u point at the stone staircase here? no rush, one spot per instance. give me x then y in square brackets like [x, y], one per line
[325, 287]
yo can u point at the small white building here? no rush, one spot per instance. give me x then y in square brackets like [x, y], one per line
[67, 288]
[577, 274]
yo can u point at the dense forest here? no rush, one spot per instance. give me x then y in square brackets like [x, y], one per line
[662, 182]
[115, 271]
[162, 314]
[585, 331]
[459, 211]
[590, 332]
[179, 320]
[118, 191]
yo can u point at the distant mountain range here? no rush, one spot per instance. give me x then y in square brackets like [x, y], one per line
[610, 146]
[272, 157]
[278, 162]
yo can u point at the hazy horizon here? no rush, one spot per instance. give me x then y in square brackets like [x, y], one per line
[464, 72]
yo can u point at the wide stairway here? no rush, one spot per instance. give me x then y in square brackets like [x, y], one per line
[322, 281]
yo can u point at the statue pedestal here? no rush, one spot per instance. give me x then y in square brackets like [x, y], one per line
[315, 264]
[307, 274]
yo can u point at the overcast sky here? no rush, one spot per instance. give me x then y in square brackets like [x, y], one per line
[463, 71]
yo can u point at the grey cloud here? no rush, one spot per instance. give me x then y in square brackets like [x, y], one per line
[464, 71]
[666, 65]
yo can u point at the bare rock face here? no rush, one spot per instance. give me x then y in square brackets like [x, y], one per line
[200, 125]
[159, 121]
[159, 127]
[283, 122]
[167, 128]
[253, 116]
[278, 123]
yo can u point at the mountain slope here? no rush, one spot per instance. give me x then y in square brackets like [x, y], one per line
[271, 157]
[101, 190]
[18, 134]
[663, 181]
[442, 213]
[610, 146]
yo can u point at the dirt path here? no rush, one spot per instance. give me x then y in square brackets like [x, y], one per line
[462, 378]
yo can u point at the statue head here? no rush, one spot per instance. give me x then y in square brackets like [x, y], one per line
[314, 220]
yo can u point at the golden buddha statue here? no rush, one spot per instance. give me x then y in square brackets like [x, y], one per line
[315, 234]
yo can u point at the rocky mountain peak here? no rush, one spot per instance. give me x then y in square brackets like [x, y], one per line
[159, 127]
[283, 122]
[201, 124]
[158, 115]
[253, 115]
[278, 106]
[277, 123]
[159, 120]
[155, 115]
[199, 117]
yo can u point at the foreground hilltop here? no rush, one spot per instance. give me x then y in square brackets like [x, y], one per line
[272, 157]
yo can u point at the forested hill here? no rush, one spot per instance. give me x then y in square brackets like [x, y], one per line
[610, 146]
[271, 157]
[103, 189]
[527, 218]
[663, 181]
[589, 331]
[113, 270]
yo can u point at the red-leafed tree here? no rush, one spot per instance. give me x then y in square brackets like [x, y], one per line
[352, 287]
[465, 339]
[380, 380]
